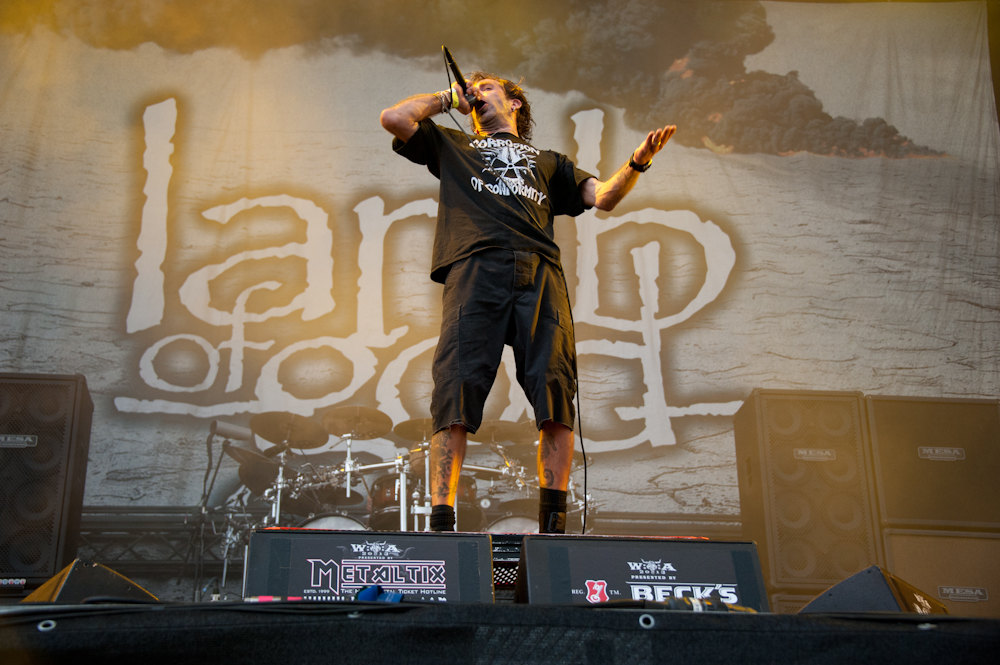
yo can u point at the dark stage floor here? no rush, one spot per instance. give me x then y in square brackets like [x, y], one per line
[351, 632]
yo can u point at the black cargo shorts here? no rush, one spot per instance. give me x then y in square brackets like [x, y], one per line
[496, 297]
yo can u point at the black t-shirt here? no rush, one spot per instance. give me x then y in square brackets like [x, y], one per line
[478, 209]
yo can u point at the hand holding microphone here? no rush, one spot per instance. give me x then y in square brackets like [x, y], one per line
[460, 80]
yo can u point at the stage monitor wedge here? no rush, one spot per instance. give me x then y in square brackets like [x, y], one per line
[322, 565]
[586, 570]
[874, 590]
[44, 440]
[85, 580]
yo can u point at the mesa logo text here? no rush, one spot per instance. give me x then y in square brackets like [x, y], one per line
[963, 594]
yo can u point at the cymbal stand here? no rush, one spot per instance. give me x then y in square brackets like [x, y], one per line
[403, 467]
[348, 461]
[425, 509]
[279, 484]
[498, 449]
[513, 471]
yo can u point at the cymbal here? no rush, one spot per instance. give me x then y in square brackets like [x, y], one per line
[289, 429]
[334, 458]
[500, 431]
[245, 456]
[418, 429]
[358, 422]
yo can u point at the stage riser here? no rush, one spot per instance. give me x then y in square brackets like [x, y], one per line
[281, 633]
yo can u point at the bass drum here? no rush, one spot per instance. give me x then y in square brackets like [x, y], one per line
[333, 522]
[514, 524]
[517, 516]
[385, 505]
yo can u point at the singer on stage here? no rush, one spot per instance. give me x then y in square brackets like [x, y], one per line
[503, 283]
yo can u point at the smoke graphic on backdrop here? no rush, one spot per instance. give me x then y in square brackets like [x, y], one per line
[663, 62]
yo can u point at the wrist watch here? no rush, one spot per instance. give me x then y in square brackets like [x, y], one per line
[641, 168]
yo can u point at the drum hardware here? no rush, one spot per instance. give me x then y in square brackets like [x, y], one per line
[352, 423]
[285, 430]
[421, 454]
[390, 498]
[419, 429]
[327, 483]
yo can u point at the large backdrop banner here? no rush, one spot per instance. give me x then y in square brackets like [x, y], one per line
[202, 215]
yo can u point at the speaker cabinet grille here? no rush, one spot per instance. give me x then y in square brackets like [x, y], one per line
[937, 461]
[805, 486]
[44, 439]
[960, 569]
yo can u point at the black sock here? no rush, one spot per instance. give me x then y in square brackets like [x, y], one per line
[551, 511]
[442, 518]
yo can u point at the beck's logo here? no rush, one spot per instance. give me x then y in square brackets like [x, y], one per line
[597, 591]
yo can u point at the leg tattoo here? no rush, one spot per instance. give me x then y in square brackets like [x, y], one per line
[549, 478]
[442, 473]
[547, 445]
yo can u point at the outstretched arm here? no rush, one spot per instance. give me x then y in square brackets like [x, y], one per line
[402, 119]
[606, 195]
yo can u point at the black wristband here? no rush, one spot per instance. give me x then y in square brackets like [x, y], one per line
[639, 168]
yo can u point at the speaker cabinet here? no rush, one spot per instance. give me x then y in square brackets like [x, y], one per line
[959, 569]
[937, 461]
[787, 603]
[805, 486]
[585, 570]
[321, 565]
[874, 590]
[82, 580]
[44, 439]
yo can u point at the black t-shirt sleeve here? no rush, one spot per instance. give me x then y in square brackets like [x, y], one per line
[421, 148]
[565, 188]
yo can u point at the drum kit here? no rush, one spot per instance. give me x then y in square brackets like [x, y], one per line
[325, 490]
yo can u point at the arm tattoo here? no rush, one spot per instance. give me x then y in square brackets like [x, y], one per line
[549, 478]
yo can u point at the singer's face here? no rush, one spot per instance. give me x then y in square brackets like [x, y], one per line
[497, 112]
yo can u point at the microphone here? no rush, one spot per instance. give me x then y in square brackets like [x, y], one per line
[459, 78]
[229, 431]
